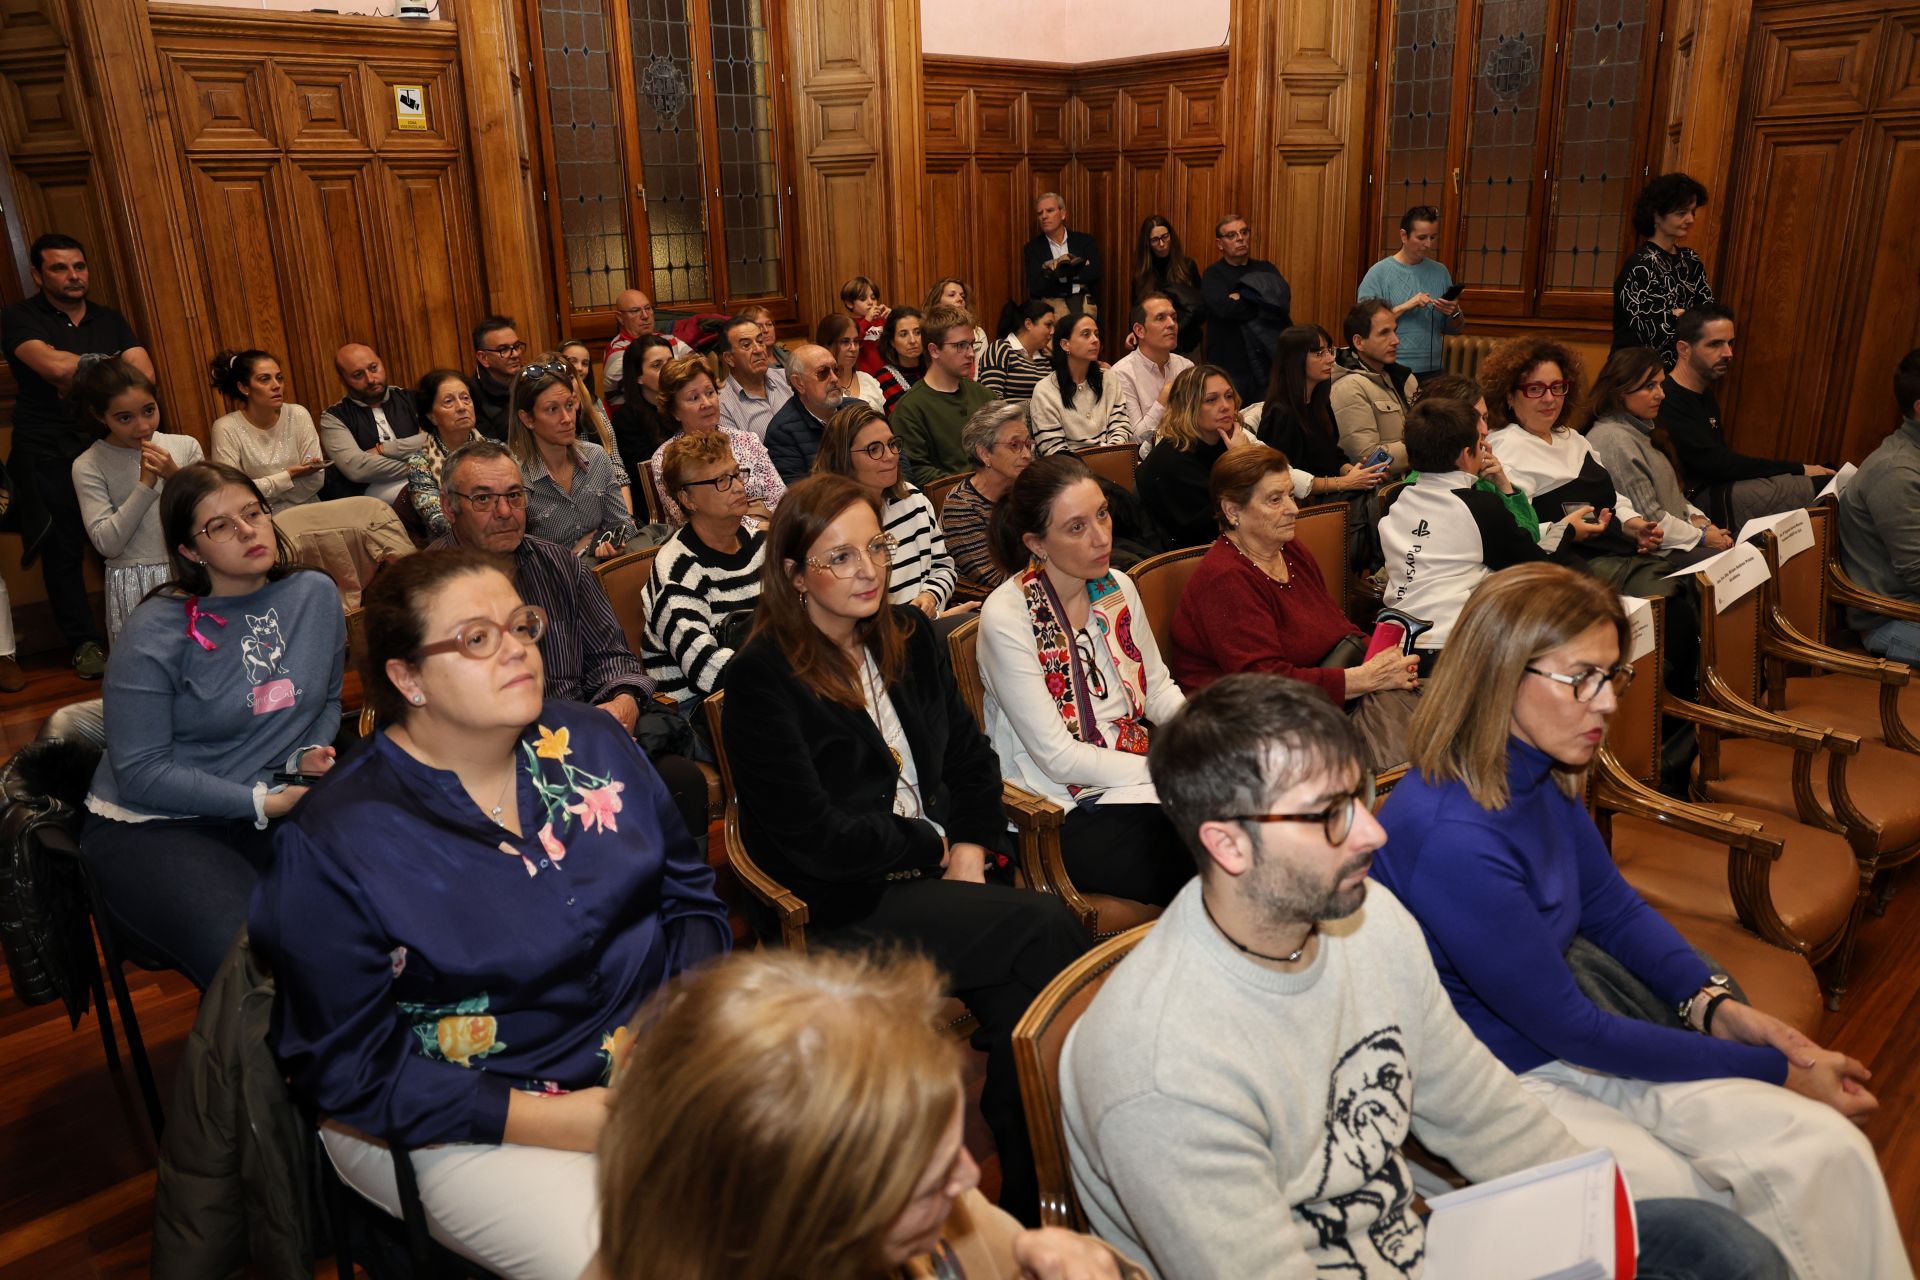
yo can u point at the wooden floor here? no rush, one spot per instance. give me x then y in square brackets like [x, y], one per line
[76, 1160]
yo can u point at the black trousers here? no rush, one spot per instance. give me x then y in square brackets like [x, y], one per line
[50, 520]
[999, 946]
[688, 787]
[1125, 851]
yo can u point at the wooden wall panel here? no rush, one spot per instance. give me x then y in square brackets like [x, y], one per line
[1118, 140]
[425, 201]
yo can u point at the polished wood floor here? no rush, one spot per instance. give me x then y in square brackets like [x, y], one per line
[77, 1162]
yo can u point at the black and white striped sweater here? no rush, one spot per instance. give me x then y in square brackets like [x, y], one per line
[693, 590]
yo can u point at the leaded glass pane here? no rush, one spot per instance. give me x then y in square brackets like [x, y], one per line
[667, 114]
[1592, 182]
[590, 184]
[749, 176]
[1501, 168]
[1419, 104]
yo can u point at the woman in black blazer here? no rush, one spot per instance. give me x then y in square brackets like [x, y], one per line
[866, 787]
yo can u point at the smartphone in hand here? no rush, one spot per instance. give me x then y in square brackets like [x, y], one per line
[1453, 293]
[1378, 456]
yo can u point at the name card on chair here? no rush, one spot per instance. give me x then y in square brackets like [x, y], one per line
[1733, 573]
[1838, 485]
[1793, 528]
[1640, 636]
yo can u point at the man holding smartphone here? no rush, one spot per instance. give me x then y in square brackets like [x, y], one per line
[1420, 290]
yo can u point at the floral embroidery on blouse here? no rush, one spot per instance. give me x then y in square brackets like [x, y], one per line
[576, 794]
[456, 1033]
[614, 1047]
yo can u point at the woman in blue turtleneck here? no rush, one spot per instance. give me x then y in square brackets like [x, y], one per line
[1492, 850]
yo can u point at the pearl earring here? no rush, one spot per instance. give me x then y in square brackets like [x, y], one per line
[418, 699]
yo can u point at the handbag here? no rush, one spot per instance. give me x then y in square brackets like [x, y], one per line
[1618, 990]
[1381, 718]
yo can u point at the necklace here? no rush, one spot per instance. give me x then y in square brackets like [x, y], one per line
[1261, 955]
[1267, 569]
[498, 809]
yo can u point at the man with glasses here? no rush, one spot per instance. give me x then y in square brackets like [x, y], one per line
[928, 419]
[583, 650]
[1236, 1097]
[1730, 486]
[1371, 389]
[793, 436]
[754, 390]
[633, 311]
[1149, 369]
[498, 352]
[1416, 285]
[1248, 304]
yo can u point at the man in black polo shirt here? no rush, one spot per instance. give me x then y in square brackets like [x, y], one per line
[43, 339]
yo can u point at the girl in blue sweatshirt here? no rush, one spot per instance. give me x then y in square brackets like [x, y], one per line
[1492, 850]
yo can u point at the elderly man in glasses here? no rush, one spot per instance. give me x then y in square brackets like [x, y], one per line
[498, 354]
[586, 654]
[1236, 1096]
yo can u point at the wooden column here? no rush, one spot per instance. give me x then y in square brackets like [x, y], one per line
[512, 253]
[1704, 51]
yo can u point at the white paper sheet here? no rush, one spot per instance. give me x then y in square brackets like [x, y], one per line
[1553, 1222]
[1640, 636]
[1793, 528]
[1733, 573]
[1838, 485]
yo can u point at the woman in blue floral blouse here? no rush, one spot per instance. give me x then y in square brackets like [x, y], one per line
[465, 915]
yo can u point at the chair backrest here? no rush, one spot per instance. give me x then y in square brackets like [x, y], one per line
[1038, 1040]
[1799, 586]
[1321, 531]
[1161, 580]
[788, 910]
[1388, 492]
[1633, 733]
[646, 499]
[356, 647]
[1730, 641]
[937, 491]
[1113, 462]
[963, 643]
[624, 579]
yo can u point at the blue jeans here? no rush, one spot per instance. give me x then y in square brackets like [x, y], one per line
[1684, 1239]
[1899, 641]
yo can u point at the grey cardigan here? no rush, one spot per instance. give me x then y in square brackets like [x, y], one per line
[1645, 476]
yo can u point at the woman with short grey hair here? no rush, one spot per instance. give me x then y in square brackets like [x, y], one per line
[996, 438]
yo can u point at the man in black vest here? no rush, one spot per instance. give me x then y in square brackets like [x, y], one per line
[370, 432]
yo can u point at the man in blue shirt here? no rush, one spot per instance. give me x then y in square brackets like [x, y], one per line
[1414, 284]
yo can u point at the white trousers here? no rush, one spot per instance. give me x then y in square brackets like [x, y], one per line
[1797, 1170]
[527, 1213]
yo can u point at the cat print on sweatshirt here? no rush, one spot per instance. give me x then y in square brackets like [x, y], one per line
[263, 651]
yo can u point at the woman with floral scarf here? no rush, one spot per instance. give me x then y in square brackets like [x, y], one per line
[1074, 683]
[465, 914]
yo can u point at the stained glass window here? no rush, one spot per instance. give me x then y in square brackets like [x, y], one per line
[589, 187]
[672, 156]
[1500, 168]
[1419, 110]
[749, 176]
[1592, 182]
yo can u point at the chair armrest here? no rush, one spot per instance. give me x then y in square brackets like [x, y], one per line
[1848, 592]
[785, 902]
[1779, 731]
[1038, 821]
[1780, 639]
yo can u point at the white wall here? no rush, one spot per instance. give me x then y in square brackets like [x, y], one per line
[1071, 30]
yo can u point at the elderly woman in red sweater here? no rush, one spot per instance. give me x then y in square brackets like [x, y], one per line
[1257, 602]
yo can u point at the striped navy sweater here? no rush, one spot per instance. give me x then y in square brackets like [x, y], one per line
[920, 561]
[691, 593]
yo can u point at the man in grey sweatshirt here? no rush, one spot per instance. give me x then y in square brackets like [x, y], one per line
[1879, 515]
[1236, 1097]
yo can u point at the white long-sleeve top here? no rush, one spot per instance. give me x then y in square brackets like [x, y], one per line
[1538, 467]
[1090, 420]
[121, 514]
[1023, 721]
[268, 456]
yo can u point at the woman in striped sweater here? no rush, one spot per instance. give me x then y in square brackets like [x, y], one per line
[706, 577]
[903, 352]
[1016, 363]
[859, 445]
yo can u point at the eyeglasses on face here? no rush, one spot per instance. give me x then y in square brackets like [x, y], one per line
[227, 528]
[721, 483]
[1160, 237]
[881, 450]
[507, 349]
[1586, 684]
[844, 562]
[1336, 819]
[481, 637]
[1534, 390]
[486, 500]
[633, 311]
[1020, 444]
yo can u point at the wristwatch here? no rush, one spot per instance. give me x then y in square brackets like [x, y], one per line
[1717, 984]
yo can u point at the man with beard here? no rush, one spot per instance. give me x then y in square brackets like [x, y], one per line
[371, 431]
[1730, 486]
[1236, 1097]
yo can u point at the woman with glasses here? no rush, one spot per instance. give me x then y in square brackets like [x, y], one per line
[444, 402]
[576, 492]
[706, 578]
[1492, 849]
[690, 400]
[903, 353]
[464, 920]
[1160, 265]
[866, 787]
[226, 679]
[269, 439]
[859, 445]
[996, 438]
[840, 334]
[1075, 684]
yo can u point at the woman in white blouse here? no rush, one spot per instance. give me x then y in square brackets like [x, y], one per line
[1075, 683]
[274, 442]
[1078, 406]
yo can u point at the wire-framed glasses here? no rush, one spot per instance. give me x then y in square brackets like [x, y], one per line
[844, 562]
[227, 528]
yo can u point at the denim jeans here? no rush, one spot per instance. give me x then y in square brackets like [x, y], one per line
[1682, 1239]
[1899, 641]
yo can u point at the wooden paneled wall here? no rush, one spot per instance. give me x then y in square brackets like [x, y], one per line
[1822, 247]
[1118, 140]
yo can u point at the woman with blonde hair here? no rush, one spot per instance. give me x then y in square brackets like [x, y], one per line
[1491, 848]
[1201, 423]
[783, 1116]
[689, 398]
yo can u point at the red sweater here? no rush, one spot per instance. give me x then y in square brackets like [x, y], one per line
[1233, 617]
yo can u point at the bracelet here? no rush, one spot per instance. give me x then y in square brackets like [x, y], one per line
[1706, 1013]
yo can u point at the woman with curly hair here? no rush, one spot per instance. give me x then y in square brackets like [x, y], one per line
[1661, 278]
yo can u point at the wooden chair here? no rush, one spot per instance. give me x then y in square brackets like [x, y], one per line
[357, 645]
[1321, 531]
[624, 579]
[937, 491]
[1387, 493]
[1037, 820]
[1161, 580]
[1708, 872]
[1115, 462]
[1038, 1040]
